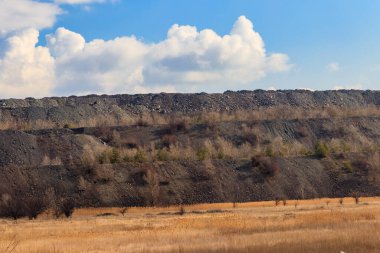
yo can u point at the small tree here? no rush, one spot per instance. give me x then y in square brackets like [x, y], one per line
[68, 206]
[356, 197]
[12, 207]
[123, 211]
[64, 207]
[182, 210]
[268, 167]
[34, 206]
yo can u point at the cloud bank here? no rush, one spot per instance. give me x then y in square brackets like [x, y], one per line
[187, 60]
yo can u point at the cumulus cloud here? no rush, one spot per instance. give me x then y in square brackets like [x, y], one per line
[333, 67]
[193, 58]
[26, 70]
[187, 60]
[98, 66]
[16, 15]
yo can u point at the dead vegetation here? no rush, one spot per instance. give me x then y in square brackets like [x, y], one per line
[181, 122]
[247, 227]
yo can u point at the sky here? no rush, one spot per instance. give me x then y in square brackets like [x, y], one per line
[79, 47]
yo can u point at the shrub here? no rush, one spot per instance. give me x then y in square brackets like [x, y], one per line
[168, 140]
[66, 207]
[269, 151]
[302, 132]
[124, 210]
[179, 125]
[182, 210]
[103, 158]
[104, 133]
[265, 165]
[34, 206]
[140, 156]
[12, 207]
[163, 155]
[348, 167]
[141, 122]
[115, 156]
[202, 153]
[321, 150]
[356, 197]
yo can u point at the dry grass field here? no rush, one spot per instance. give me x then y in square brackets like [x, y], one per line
[321, 225]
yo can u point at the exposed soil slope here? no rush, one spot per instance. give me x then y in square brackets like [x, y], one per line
[32, 162]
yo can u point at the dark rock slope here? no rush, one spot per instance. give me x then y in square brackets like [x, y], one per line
[64, 161]
[74, 109]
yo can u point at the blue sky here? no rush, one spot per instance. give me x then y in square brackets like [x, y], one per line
[328, 44]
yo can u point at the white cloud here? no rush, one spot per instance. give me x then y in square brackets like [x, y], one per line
[26, 70]
[357, 86]
[98, 66]
[22, 14]
[192, 59]
[333, 67]
[187, 60]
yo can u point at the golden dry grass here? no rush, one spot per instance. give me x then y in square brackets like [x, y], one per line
[322, 225]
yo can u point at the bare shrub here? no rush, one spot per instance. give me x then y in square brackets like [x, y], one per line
[131, 143]
[103, 173]
[65, 207]
[302, 132]
[12, 207]
[104, 133]
[34, 206]
[168, 140]
[141, 122]
[266, 166]
[182, 210]
[356, 197]
[123, 211]
[179, 124]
